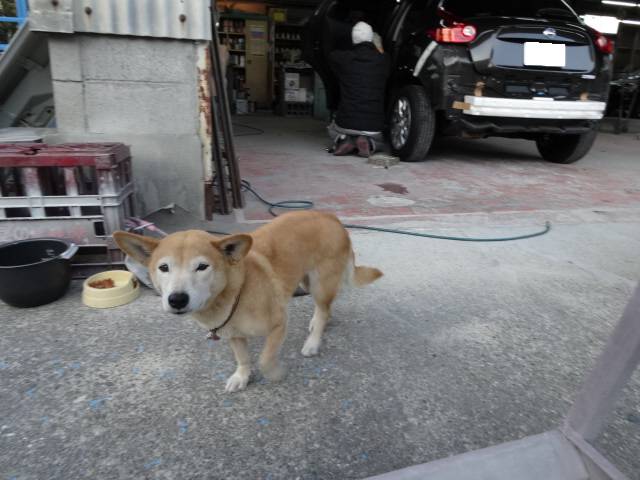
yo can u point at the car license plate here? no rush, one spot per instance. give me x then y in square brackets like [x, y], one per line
[545, 54]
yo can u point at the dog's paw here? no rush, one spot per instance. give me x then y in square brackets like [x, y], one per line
[236, 382]
[311, 347]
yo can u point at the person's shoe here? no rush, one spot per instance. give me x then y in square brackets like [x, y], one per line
[345, 147]
[364, 147]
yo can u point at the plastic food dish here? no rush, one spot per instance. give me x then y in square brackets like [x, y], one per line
[125, 290]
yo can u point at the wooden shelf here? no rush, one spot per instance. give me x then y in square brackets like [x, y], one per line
[237, 51]
[231, 33]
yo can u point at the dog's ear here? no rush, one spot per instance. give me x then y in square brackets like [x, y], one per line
[136, 246]
[235, 247]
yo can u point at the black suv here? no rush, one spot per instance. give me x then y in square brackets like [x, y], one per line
[478, 68]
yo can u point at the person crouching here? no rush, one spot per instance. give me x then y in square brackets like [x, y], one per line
[362, 73]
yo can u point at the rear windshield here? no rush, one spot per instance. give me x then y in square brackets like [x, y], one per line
[508, 8]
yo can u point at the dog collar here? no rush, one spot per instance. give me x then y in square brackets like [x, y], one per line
[213, 333]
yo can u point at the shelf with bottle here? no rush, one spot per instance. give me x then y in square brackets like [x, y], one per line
[234, 44]
[287, 51]
[286, 55]
[230, 26]
[288, 36]
[237, 60]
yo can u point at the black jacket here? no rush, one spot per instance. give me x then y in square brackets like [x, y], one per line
[362, 73]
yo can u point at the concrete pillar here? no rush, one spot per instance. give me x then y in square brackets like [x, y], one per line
[140, 91]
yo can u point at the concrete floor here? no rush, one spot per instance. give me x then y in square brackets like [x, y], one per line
[495, 176]
[460, 346]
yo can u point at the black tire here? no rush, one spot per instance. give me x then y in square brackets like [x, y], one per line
[411, 141]
[558, 148]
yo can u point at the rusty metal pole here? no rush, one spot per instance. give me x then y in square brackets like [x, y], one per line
[216, 150]
[225, 117]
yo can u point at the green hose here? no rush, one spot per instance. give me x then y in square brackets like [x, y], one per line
[307, 205]
[456, 239]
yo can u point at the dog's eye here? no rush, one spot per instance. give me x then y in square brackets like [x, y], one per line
[202, 267]
[164, 268]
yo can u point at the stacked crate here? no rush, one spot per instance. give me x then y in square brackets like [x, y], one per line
[80, 192]
[296, 94]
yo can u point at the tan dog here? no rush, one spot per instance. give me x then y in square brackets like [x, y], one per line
[239, 286]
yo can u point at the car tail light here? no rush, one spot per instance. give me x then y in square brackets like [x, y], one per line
[453, 30]
[460, 33]
[604, 44]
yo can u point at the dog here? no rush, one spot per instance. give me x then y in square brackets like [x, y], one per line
[239, 286]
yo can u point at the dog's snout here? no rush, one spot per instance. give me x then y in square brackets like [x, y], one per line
[178, 300]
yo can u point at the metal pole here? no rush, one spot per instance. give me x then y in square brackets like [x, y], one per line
[225, 111]
[612, 371]
[216, 150]
[21, 9]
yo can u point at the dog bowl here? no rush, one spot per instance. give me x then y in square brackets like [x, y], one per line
[35, 272]
[125, 289]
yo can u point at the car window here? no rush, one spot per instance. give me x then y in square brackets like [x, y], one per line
[508, 8]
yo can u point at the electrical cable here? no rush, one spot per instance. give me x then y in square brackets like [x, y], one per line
[287, 204]
[307, 205]
[546, 230]
[256, 130]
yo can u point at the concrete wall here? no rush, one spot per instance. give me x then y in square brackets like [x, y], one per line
[140, 91]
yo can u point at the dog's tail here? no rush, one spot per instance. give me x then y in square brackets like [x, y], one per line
[365, 275]
[360, 276]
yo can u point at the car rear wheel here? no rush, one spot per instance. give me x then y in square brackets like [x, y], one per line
[558, 148]
[412, 124]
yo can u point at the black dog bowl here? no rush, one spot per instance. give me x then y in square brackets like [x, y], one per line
[34, 272]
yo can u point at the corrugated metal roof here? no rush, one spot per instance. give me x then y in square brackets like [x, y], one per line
[184, 19]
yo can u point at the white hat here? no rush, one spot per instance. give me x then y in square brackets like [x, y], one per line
[362, 32]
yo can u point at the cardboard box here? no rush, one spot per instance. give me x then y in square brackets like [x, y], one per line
[242, 107]
[291, 80]
[295, 95]
[290, 95]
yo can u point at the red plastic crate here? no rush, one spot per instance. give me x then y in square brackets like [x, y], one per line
[103, 156]
[82, 192]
